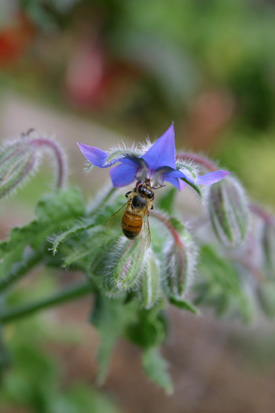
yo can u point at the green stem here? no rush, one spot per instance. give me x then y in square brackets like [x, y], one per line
[102, 201]
[70, 293]
[59, 156]
[32, 259]
[174, 233]
[262, 213]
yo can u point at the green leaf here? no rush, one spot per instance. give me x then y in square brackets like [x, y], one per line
[156, 368]
[54, 213]
[184, 305]
[111, 317]
[150, 329]
[75, 229]
[219, 271]
[66, 203]
[88, 243]
[223, 286]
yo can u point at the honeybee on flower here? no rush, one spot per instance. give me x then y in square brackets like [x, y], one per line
[150, 166]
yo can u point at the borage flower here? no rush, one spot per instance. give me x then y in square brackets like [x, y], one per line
[157, 163]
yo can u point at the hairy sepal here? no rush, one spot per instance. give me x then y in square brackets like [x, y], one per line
[228, 211]
[180, 258]
[118, 153]
[18, 161]
[191, 171]
[124, 265]
[150, 284]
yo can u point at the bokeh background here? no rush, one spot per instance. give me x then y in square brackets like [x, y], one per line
[102, 71]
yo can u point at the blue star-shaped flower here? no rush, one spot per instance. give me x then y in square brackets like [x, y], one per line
[158, 164]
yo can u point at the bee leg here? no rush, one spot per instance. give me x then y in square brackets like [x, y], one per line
[152, 207]
[127, 194]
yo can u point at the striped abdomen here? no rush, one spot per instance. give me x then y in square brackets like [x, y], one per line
[131, 224]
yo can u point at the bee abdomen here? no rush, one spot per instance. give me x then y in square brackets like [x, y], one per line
[131, 224]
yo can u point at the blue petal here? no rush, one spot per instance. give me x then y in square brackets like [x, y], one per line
[123, 175]
[211, 177]
[133, 161]
[178, 183]
[162, 152]
[177, 174]
[95, 156]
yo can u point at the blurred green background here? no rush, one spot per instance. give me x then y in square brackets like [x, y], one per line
[98, 71]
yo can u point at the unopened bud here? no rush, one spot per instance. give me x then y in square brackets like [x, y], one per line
[180, 259]
[268, 241]
[17, 161]
[124, 265]
[150, 285]
[228, 211]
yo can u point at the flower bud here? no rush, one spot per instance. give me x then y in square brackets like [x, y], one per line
[228, 211]
[150, 285]
[268, 242]
[17, 161]
[124, 265]
[180, 259]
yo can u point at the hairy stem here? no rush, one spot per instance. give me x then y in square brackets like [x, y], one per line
[262, 213]
[201, 160]
[161, 217]
[70, 293]
[59, 156]
[102, 201]
[31, 261]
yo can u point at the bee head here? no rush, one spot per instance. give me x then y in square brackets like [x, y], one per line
[146, 190]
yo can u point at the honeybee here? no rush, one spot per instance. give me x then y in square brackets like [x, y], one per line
[134, 214]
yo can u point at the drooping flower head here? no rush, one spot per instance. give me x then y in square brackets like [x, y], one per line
[157, 162]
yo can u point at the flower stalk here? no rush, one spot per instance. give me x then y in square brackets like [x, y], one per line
[262, 213]
[55, 148]
[21, 270]
[71, 293]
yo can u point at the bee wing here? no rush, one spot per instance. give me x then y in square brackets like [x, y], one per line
[115, 220]
[146, 233]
